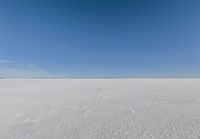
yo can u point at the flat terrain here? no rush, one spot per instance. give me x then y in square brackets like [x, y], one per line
[99, 108]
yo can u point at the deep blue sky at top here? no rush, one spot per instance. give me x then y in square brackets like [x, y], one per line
[102, 38]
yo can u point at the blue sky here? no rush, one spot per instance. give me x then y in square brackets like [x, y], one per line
[99, 38]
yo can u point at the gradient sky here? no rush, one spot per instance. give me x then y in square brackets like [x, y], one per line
[99, 38]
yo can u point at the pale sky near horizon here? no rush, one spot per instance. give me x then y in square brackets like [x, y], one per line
[99, 38]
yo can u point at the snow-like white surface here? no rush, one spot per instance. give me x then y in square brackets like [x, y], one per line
[100, 109]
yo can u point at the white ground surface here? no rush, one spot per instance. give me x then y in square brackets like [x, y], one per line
[100, 109]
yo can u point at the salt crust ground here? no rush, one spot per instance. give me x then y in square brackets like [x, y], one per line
[99, 109]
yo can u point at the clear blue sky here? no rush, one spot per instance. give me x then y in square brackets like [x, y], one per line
[99, 38]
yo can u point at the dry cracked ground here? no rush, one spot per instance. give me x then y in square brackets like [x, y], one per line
[99, 108]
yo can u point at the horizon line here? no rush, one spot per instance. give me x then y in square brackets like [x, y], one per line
[152, 77]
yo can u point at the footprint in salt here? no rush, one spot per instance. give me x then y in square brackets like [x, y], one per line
[131, 112]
